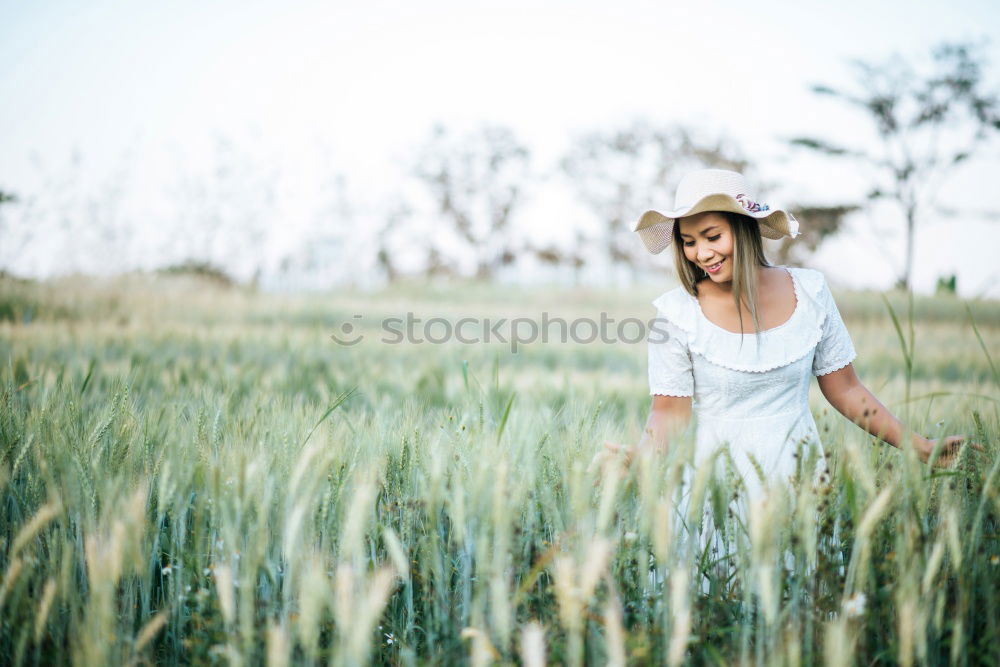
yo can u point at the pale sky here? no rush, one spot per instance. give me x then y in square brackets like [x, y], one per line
[142, 92]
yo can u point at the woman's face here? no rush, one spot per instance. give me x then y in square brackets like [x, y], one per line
[708, 244]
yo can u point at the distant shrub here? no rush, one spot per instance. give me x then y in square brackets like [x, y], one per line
[17, 303]
[199, 269]
[947, 285]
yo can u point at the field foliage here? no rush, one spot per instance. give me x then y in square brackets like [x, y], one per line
[193, 473]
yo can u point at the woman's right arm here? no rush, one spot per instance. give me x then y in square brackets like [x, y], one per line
[668, 415]
[670, 373]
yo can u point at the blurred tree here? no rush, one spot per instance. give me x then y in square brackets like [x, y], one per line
[476, 182]
[383, 258]
[928, 123]
[818, 224]
[555, 256]
[226, 212]
[620, 173]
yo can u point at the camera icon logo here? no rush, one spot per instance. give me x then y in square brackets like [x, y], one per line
[346, 330]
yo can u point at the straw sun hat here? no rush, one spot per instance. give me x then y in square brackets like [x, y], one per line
[713, 190]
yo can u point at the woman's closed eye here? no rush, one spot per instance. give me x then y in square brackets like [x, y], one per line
[710, 238]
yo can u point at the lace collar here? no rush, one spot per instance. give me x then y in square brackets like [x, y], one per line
[776, 347]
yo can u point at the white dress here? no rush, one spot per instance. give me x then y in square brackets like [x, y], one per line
[752, 398]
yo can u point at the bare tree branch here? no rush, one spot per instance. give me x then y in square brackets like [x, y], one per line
[910, 112]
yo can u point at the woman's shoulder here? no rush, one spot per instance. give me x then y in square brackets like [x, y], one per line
[812, 280]
[677, 307]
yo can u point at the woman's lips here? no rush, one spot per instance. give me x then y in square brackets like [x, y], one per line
[715, 268]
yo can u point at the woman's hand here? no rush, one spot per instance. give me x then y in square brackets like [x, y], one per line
[611, 452]
[950, 448]
[667, 415]
[615, 448]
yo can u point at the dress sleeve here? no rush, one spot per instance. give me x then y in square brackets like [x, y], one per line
[835, 349]
[670, 370]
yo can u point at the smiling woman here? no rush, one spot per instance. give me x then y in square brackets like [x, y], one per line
[749, 395]
[709, 241]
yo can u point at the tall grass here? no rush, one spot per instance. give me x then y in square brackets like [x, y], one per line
[207, 477]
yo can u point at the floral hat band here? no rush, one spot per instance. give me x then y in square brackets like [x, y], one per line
[713, 190]
[750, 205]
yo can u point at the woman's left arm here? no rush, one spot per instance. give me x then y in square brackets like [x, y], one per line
[845, 391]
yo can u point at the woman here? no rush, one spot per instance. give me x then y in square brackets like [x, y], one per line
[739, 339]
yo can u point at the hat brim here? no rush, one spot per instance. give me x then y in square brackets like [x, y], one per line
[656, 228]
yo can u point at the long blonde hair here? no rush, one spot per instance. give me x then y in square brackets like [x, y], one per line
[748, 254]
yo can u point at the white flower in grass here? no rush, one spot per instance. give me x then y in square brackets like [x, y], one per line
[854, 606]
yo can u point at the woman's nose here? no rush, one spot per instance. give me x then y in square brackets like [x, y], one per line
[704, 252]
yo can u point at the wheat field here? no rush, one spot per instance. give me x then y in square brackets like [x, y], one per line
[198, 474]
